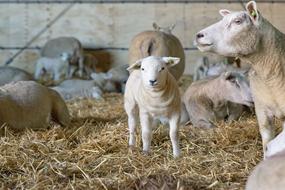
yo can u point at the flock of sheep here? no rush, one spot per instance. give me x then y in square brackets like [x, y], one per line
[151, 94]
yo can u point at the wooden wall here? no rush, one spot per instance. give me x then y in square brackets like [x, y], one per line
[110, 26]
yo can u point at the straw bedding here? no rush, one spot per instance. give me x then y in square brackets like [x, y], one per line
[93, 153]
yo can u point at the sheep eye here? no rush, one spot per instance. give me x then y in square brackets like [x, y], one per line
[162, 68]
[237, 21]
[142, 69]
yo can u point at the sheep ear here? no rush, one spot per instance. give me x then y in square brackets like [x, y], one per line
[224, 12]
[229, 76]
[155, 26]
[136, 65]
[172, 27]
[171, 61]
[251, 9]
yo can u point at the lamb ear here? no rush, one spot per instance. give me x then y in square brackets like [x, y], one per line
[136, 65]
[171, 61]
[224, 12]
[251, 9]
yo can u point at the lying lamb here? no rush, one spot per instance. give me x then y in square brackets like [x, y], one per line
[27, 104]
[77, 88]
[256, 41]
[57, 67]
[115, 79]
[216, 98]
[154, 91]
[10, 74]
[270, 173]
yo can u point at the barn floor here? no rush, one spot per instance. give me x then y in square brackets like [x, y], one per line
[93, 153]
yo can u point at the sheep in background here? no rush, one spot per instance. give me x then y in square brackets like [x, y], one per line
[27, 104]
[115, 79]
[10, 74]
[57, 67]
[216, 98]
[76, 88]
[89, 67]
[154, 92]
[157, 43]
[207, 66]
[54, 47]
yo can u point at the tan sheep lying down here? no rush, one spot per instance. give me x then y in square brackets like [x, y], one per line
[27, 104]
[153, 91]
[213, 99]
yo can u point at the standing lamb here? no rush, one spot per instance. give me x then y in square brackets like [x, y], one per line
[10, 74]
[27, 104]
[157, 43]
[54, 47]
[249, 36]
[270, 173]
[154, 91]
[57, 67]
[216, 98]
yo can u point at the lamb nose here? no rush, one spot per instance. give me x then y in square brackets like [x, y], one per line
[200, 35]
[152, 81]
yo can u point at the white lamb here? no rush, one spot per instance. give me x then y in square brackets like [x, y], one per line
[154, 91]
[77, 88]
[57, 67]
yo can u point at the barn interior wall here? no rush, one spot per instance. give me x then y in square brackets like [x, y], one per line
[110, 26]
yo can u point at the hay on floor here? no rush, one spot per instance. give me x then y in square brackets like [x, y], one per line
[93, 153]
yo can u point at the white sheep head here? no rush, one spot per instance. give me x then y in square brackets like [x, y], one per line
[154, 70]
[235, 35]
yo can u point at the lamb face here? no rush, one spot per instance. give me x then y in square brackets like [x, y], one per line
[236, 34]
[154, 70]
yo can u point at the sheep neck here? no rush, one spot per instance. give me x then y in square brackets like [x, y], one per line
[268, 61]
[158, 101]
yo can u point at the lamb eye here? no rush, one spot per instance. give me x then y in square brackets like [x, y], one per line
[142, 69]
[162, 68]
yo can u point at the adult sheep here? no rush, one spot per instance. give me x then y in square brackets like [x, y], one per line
[249, 36]
[154, 92]
[157, 43]
[27, 104]
[70, 45]
[10, 74]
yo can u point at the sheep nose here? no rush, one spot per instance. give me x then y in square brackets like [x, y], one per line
[152, 82]
[200, 35]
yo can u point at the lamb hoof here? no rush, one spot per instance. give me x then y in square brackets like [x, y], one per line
[146, 153]
[131, 148]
